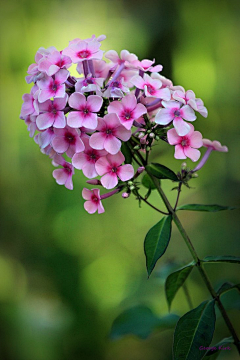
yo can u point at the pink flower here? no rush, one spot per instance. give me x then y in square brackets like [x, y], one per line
[87, 108]
[110, 131]
[174, 112]
[45, 138]
[127, 110]
[186, 146]
[83, 50]
[189, 98]
[52, 87]
[93, 202]
[215, 145]
[30, 105]
[146, 65]
[125, 56]
[152, 86]
[51, 114]
[86, 160]
[30, 121]
[109, 167]
[116, 89]
[89, 84]
[63, 176]
[67, 140]
[53, 63]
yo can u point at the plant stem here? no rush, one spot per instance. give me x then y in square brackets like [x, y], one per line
[152, 206]
[199, 265]
[186, 292]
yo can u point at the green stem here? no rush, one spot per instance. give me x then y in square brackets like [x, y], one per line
[198, 261]
[186, 292]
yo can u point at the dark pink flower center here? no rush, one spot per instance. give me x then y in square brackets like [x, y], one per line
[67, 169]
[95, 199]
[69, 137]
[54, 86]
[114, 169]
[83, 54]
[184, 141]
[109, 131]
[115, 84]
[150, 89]
[177, 113]
[127, 114]
[60, 63]
[92, 156]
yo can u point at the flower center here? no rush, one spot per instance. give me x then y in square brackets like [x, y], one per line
[83, 54]
[184, 142]
[85, 111]
[70, 138]
[109, 131]
[150, 89]
[54, 87]
[127, 115]
[95, 199]
[114, 169]
[177, 113]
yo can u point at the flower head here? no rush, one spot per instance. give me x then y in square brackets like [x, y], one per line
[93, 202]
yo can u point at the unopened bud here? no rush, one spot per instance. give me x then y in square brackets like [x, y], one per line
[130, 182]
[140, 169]
[141, 135]
[184, 166]
[157, 137]
[137, 147]
[148, 132]
[125, 195]
[152, 135]
[94, 182]
[194, 175]
[148, 148]
[132, 187]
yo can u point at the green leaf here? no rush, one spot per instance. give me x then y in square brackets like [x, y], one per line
[147, 182]
[224, 258]
[161, 172]
[215, 349]
[227, 286]
[140, 321]
[194, 330]
[208, 208]
[156, 241]
[175, 280]
[125, 149]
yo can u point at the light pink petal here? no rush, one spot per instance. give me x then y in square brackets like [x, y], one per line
[179, 154]
[127, 123]
[45, 95]
[122, 133]
[86, 194]
[196, 140]
[75, 119]
[112, 55]
[90, 121]
[90, 206]
[116, 159]
[60, 120]
[188, 113]
[60, 175]
[171, 104]
[97, 140]
[125, 172]
[129, 101]
[61, 76]
[163, 117]
[94, 102]
[115, 107]
[89, 170]
[59, 144]
[77, 101]
[179, 96]
[112, 145]
[60, 93]
[109, 180]
[44, 121]
[193, 154]
[190, 95]
[138, 82]
[78, 160]
[102, 165]
[79, 145]
[163, 94]
[45, 105]
[191, 131]
[173, 137]
[69, 183]
[100, 208]
[44, 65]
[139, 111]
[112, 120]
[60, 103]
[181, 126]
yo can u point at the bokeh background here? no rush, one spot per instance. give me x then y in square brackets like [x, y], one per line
[64, 274]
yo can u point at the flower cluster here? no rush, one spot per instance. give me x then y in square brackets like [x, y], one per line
[82, 122]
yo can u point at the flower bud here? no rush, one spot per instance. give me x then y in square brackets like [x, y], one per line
[132, 187]
[184, 166]
[94, 182]
[152, 135]
[157, 137]
[125, 195]
[148, 148]
[141, 135]
[137, 147]
[194, 175]
[140, 169]
[130, 182]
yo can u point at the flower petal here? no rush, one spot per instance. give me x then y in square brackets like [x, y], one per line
[193, 154]
[181, 126]
[112, 145]
[125, 172]
[109, 180]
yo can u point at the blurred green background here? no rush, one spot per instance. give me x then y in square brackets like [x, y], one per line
[65, 274]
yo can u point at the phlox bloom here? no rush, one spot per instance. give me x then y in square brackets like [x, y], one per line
[86, 110]
[127, 110]
[52, 63]
[93, 202]
[110, 130]
[186, 146]
[67, 140]
[83, 50]
[52, 87]
[152, 86]
[215, 145]
[110, 168]
[173, 111]
[63, 176]
[51, 113]
[86, 160]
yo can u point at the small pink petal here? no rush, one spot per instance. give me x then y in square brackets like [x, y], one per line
[97, 140]
[102, 165]
[163, 117]
[112, 145]
[86, 194]
[89, 170]
[94, 102]
[75, 119]
[109, 180]
[179, 154]
[78, 160]
[181, 126]
[90, 121]
[59, 144]
[44, 121]
[116, 159]
[77, 101]
[193, 154]
[173, 137]
[60, 175]
[122, 133]
[188, 113]
[60, 120]
[195, 140]
[90, 207]
[125, 172]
